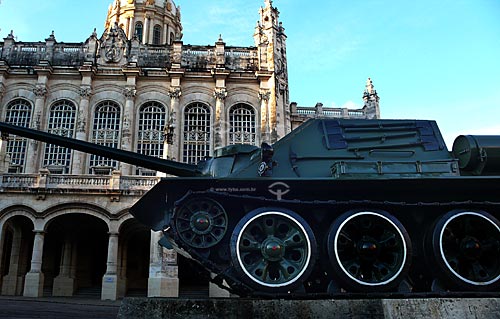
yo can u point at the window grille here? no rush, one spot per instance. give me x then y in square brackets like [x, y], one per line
[150, 133]
[156, 34]
[62, 118]
[139, 31]
[242, 121]
[18, 113]
[105, 131]
[196, 133]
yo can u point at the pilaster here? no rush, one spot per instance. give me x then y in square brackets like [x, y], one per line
[174, 93]
[265, 128]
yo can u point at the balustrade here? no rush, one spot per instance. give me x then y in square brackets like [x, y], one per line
[75, 182]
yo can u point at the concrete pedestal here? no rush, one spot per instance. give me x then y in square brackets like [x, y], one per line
[109, 287]
[12, 285]
[33, 284]
[63, 287]
[434, 308]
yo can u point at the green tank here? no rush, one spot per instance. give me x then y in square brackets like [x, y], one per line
[335, 208]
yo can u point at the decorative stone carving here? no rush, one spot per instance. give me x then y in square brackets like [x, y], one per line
[169, 6]
[129, 92]
[80, 125]
[85, 91]
[36, 120]
[2, 90]
[175, 93]
[40, 90]
[220, 94]
[114, 46]
[264, 95]
[150, 2]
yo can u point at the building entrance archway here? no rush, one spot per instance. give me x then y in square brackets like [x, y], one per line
[74, 259]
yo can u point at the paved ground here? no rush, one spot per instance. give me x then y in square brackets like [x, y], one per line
[55, 308]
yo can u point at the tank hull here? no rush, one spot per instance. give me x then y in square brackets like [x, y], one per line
[409, 212]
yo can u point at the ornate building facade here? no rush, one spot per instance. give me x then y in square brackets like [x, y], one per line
[64, 224]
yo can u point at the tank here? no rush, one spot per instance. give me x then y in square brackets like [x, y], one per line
[335, 208]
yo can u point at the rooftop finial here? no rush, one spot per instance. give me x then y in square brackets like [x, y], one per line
[370, 89]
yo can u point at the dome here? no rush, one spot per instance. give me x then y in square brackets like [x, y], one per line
[155, 22]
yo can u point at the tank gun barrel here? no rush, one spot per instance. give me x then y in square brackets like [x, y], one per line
[150, 162]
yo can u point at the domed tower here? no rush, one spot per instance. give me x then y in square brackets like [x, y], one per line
[152, 21]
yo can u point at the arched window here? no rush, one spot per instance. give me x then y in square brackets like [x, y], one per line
[157, 34]
[62, 118]
[196, 133]
[150, 134]
[242, 121]
[139, 30]
[18, 113]
[105, 131]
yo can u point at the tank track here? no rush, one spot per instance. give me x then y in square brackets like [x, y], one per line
[321, 281]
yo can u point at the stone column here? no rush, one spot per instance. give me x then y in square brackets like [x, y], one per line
[165, 33]
[78, 164]
[163, 278]
[131, 28]
[110, 278]
[36, 122]
[220, 118]
[145, 31]
[12, 281]
[64, 284]
[173, 149]
[127, 124]
[33, 282]
[265, 129]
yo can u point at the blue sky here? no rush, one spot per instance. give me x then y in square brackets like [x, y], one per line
[428, 59]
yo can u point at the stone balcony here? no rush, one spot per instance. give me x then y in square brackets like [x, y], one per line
[45, 182]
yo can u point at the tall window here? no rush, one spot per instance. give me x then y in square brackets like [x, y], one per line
[61, 122]
[172, 37]
[150, 134]
[156, 34]
[105, 131]
[18, 113]
[196, 133]
[242, 124]
[139, 30]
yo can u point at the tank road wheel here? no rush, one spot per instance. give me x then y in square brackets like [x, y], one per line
[273, 250]
[369, 251]
[466, 246]
[201, 222]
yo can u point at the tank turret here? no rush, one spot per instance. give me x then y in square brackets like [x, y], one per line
[335, 207]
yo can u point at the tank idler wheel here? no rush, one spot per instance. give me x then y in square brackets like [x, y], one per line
[273, 250]
[466, 245]
[369, 251]
[201, 222]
